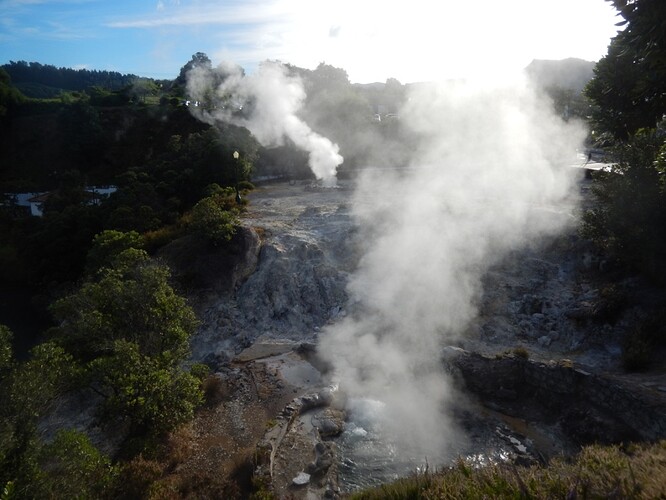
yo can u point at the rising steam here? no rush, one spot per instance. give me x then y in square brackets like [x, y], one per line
[487, 166]
[266, 103]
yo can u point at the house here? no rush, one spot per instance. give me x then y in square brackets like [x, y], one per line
[33, 203]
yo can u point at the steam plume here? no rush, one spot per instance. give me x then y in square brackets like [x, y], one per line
[266, 103]
[486, 169]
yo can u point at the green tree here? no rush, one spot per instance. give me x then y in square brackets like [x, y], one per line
[10, 96]
[615, 90]
[81, 135]
[152, 396]
[53, 248]
[211, 221]
[131, 331]
[629, 84]
[130, 300]
[27, 391]
[200, 59]
[71, 467]
[108, 245]
[629, 221]
[629, 94]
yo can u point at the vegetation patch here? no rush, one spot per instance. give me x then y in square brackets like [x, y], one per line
[632, 472]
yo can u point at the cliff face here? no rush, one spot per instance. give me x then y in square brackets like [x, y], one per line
[293, 281]
[285, 276]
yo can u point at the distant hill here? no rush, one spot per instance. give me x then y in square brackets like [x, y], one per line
[43, 80]
[569, 73]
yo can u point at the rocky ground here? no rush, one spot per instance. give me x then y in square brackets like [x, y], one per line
[552, 303]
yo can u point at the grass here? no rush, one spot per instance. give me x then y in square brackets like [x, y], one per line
[633, 472]
[521, 352]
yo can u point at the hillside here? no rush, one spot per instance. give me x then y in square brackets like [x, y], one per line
[568, 73]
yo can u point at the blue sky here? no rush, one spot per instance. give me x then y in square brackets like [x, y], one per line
[371, 39]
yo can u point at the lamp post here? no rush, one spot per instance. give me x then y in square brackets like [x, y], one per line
[236, 156]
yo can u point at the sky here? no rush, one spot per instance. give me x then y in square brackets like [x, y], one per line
[414, 40]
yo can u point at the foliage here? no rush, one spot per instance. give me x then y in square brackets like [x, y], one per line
[6, 356]
[137, 476]
[521, 352]
[638, 472]
[81, 134]
[200, 371]
[246, 186]
[155, 397]
[629, 86]
[132, 332]
[108, 245]
[10, 97]
[65, 78]
[615, 91]
[629, 95]
[34, 384]
[130, 300]
[71, 467]
[154, 240]
[629, 221]
[198, 60]
[27, 390]
[212, 221]
[53, 247]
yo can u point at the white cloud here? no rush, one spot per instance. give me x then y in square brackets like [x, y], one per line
[418, 40]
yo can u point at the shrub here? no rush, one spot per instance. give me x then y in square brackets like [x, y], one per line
[71, 467]
[212, 222]
[597, 472]
[199, 370]
[154, 240]
[521, 352]
[137, 476]
[215, 389]
[155, 398]
[246, 186]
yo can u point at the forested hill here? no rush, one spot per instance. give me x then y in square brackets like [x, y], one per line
[43, 80]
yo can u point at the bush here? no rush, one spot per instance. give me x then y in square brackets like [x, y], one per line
[200, 370]
[597, 472]
[215, 389]
[154, 240]
[212, 222]
[71, 467]
[153, 397]
[521, 352]
[137, 476]
[246, 186]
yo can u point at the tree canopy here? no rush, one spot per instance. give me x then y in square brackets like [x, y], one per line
[629, 84]
[130, 299]
[629, 96]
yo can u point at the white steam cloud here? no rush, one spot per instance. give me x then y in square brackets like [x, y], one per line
[487, 166]
[267, 103]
